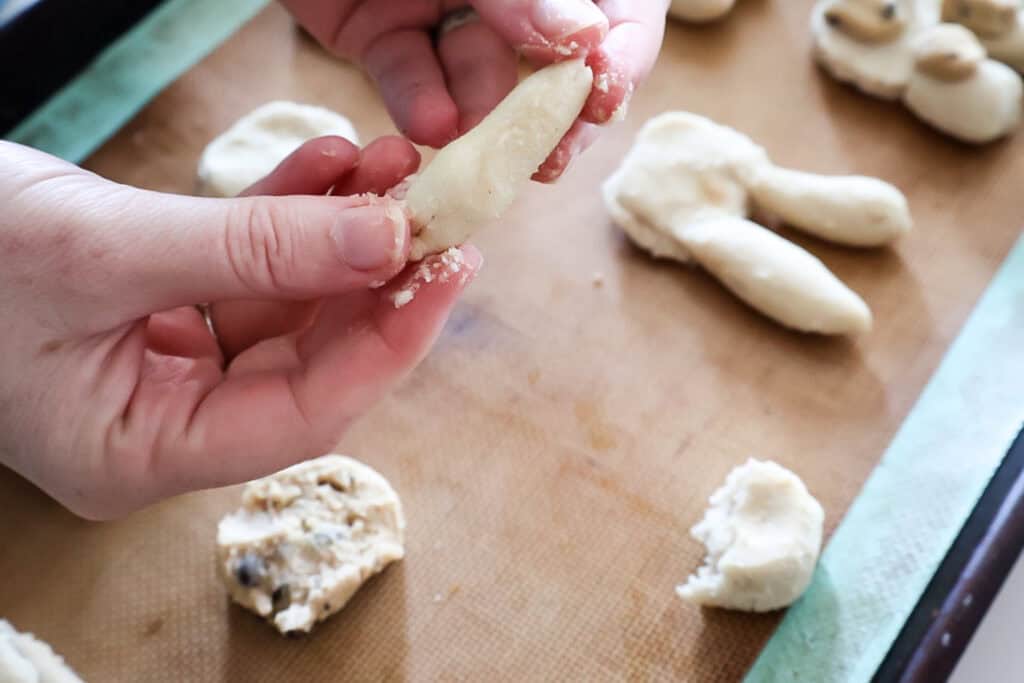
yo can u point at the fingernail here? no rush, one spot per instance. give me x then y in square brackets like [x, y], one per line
[369, 237]
[560, 18]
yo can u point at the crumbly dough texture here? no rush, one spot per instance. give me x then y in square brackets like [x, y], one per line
[475, 178]
[306, 538]
[880, 67]
[763, 534]
[25, 659]
[255, 144]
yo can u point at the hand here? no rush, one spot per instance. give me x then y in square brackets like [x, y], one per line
[113, 392]
[437, 92]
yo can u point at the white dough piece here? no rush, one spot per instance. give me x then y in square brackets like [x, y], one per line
[856, 211]
[699, 11]
[775, 276]
[979, 104]
[25, 659]
[763, 534]
[881, 69]
[474, 179]
[681, 166]
[306, 538]
[255, 144]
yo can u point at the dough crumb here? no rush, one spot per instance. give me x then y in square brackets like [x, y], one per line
[441, 267]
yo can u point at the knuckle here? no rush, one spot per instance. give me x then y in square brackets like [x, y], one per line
[260, 252]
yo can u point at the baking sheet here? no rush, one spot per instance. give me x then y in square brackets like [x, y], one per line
[562, 437]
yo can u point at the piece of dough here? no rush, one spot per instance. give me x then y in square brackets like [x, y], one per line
[681, 166]
[976, 100]
[700, 11]
[25, 659]
[306, 538]
[775, 276]
[880, 68]
[763, 534]
[475, 178]
[255, 144]
[856, 211]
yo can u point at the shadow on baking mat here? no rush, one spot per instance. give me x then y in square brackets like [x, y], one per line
[367, 640]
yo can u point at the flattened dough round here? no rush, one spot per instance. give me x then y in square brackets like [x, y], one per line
[255, 144]
[26, 659]
[306, 538]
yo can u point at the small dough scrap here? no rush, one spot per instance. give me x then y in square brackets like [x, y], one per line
[255, 144]
[475, 178]
[680, 167]
[987, 18]
[306, 538]
[775, 276]
[763, 533]
[699, 11]
[857, 211]
[979, 107]
[880, 68]
[25, 659]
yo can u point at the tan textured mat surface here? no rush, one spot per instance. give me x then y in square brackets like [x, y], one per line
[554, 449]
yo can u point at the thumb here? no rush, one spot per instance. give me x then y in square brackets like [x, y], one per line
[546, 30]
[175, 250]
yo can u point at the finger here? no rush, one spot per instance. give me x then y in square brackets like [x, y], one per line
[625, 57]
[481, 69]
[383, 164]
[313, 168]
[181, 332]
[167, 251]
[405, 69]
[259, 421]
[240, 325]
[579, 137]
[546, 31]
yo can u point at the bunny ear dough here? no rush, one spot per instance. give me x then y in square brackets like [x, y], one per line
[700, 11]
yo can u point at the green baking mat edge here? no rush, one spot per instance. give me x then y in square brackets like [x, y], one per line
[131, 71]
[910, 510]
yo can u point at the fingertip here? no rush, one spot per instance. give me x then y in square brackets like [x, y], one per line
[430, 119]
[311, 169]
[383, 164]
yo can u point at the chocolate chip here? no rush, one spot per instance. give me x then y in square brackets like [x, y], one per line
[281, 597]
[889, 11]
[832, 20]
[250, 570]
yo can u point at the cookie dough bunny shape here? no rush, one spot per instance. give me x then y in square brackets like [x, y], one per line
[896, 49]
[999, 24]
[684, 192]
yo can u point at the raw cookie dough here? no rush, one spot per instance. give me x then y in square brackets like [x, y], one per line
[956, 89]
[24, 659]
[687, 177]
[775, 276]
[306, 538]
[999, 24]
[475, 178]
[700, 10]
[255, 144]
[868, 43]
[763, 534]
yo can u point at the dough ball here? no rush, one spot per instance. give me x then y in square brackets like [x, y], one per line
[255, 144]
[306, 538]
[25, 659]
[763, 534]
[681, 167]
